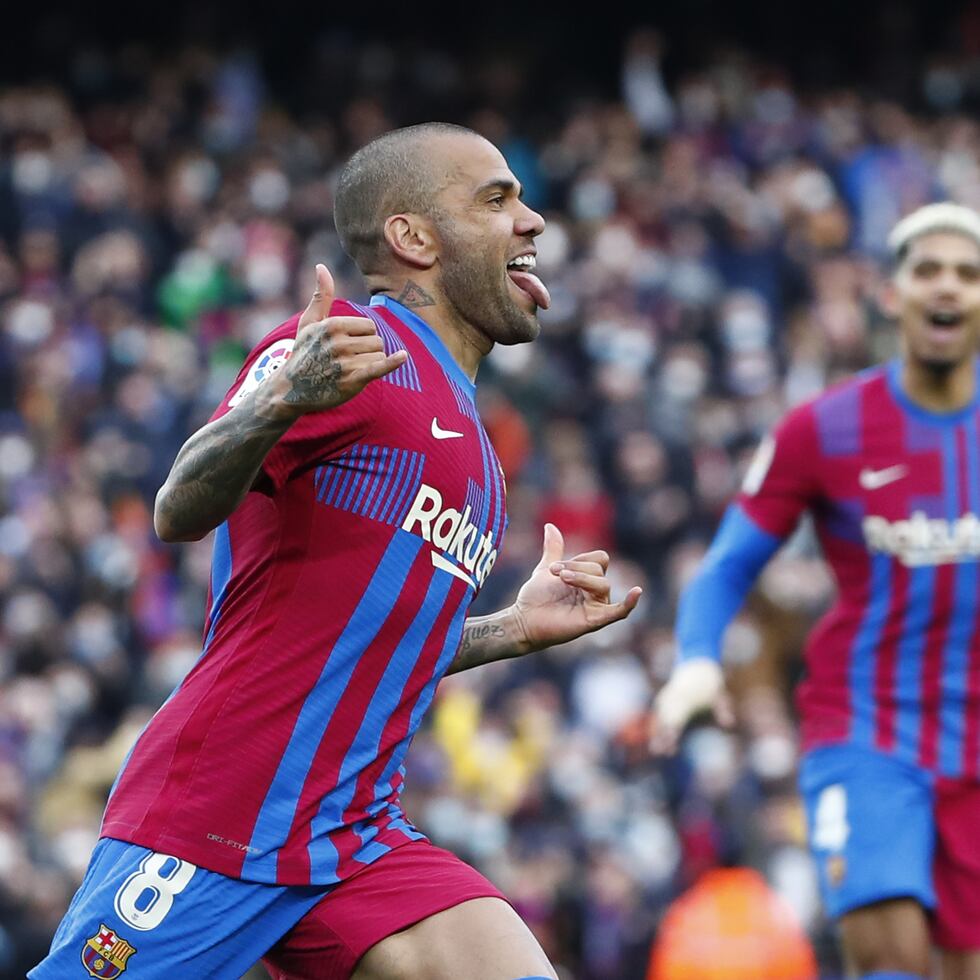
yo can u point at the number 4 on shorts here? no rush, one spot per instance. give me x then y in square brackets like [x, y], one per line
[147, 895]
[830, 826]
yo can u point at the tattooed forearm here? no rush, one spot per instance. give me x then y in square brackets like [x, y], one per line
[485, 639]
[213, 471]
[414, 295]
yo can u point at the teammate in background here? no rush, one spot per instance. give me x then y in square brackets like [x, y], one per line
[888, 464]
[359, 507]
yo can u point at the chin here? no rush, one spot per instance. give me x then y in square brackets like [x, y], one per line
[940, 364]
[514, 325]
[523, 331]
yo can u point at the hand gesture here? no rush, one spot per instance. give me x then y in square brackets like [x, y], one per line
[333, 358]
[564, 599]
[695, 685]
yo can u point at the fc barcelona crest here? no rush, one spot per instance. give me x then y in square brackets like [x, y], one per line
[105, 955]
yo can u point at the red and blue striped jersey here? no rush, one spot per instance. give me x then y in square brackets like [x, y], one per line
[338, 593]
[894, 491]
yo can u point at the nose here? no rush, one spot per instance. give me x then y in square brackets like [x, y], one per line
[528, 222]
[948, 283]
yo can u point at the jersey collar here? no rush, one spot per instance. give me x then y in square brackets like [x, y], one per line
[429, 337]
[924, 414]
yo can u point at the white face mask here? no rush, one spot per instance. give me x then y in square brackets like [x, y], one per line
[683, 378]
[29, 322]
[32, 172]
[266, 275]
[268, 190]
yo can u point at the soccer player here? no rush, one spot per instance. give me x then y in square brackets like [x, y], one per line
[358, 507]
[888, 464]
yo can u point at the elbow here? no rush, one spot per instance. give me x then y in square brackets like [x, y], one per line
[167, 530]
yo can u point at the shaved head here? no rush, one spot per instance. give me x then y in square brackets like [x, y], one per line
[395, 173]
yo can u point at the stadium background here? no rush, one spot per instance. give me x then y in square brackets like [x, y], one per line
[718, 184]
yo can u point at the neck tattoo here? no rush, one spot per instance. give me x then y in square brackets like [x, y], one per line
[414, 295]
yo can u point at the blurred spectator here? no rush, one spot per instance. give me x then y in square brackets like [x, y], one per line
[712, 253]
[731, 926]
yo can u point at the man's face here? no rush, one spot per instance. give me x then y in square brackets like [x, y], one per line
[486, 236]
[936, 296]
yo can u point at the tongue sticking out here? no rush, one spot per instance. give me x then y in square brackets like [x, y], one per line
[531, 285]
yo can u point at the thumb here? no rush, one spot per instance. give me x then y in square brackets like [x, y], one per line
[554, 546]
[319, 306]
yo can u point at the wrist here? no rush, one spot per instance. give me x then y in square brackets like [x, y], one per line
[270, 404]
[516, 635]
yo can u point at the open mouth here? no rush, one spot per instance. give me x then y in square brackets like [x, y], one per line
[520, 270]
[944, 318]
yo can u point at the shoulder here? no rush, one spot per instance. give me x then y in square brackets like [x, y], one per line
[274, 349]
[835, 416]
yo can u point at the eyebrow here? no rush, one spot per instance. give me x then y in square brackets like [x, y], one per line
[933, 260]
[500, 183]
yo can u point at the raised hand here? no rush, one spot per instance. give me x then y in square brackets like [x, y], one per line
[694, 686]
[333, 358]
[566, 598]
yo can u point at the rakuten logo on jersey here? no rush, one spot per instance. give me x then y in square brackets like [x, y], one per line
[465, 552]
[923, 540]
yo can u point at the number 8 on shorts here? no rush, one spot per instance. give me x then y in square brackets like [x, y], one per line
[147, 895]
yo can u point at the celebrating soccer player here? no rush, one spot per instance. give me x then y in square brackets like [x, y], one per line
[359, 507]
[888, 464]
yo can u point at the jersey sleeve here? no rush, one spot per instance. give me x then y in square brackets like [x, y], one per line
[781, 481]
[712, 598]
[315, 437]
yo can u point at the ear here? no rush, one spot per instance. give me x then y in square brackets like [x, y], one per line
[412, 239]
[888, 299]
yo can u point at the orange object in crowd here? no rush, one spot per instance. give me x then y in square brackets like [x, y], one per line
[731, 926]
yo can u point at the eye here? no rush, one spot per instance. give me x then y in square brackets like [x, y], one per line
[496, 201]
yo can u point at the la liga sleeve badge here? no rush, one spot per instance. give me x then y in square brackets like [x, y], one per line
[106, 954]
[266, 365]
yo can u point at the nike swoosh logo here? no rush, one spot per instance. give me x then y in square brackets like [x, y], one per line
[448, 566]
[440, 433]
[876, 479]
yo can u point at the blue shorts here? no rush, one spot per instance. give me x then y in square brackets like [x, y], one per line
[163, 917]
[871, 827]
[168, 918]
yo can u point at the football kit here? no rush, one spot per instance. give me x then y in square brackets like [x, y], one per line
[338, 592]
[890, 704]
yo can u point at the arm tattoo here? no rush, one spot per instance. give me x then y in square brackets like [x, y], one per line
[483, 642]
[313, 372]
[213, 471]
[414, 295]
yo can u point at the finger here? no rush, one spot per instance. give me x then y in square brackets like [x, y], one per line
[596, 585]
[631, 599]
[554, 545]
[351, 326]
[613, 612]
[322, 300]
[384, 365]
[589, 567]
[362, 344]
[599, 557]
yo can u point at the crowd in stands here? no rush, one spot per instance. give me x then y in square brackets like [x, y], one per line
[713, 250]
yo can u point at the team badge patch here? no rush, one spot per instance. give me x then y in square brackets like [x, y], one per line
[266, 365]
[755, 475]
[105, 954]
[836, 870]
